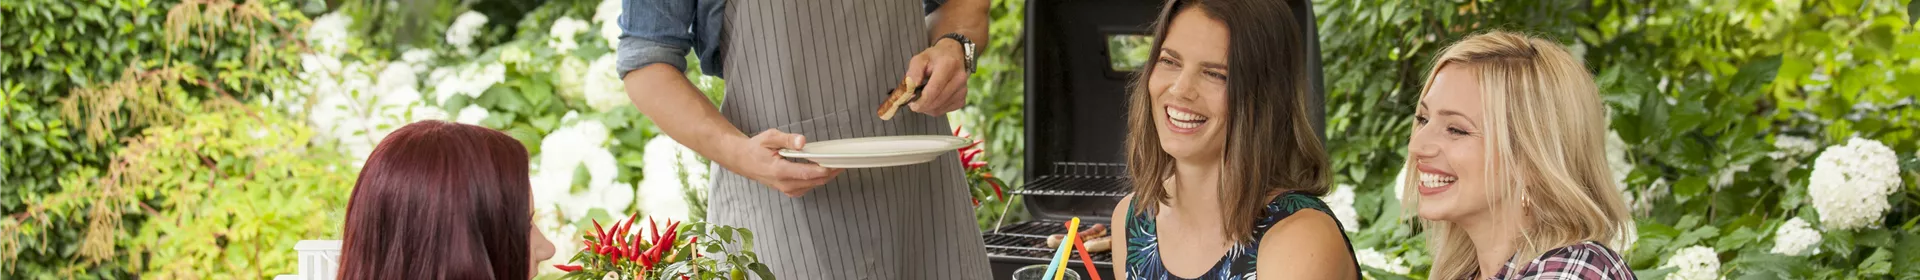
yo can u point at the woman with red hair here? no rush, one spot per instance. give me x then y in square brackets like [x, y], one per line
[440, 200]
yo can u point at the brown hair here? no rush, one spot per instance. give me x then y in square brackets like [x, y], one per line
[440, 200]
[1271, 143]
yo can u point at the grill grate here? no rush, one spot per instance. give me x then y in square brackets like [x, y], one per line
[1081, 179]
[1028, 240]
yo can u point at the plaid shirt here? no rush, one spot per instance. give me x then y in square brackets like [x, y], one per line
[1587, 260]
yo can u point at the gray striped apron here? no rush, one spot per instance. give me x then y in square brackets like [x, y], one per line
[819, 68]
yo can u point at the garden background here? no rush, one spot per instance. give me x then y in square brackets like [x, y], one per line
[1758, 139]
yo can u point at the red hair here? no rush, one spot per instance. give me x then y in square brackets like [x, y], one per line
[440, 200]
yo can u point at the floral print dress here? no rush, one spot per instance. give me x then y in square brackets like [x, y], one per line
[1143, 241]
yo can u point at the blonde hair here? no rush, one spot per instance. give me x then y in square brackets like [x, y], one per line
[1545, 131]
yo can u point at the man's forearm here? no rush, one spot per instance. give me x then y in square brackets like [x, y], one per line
[663, 93]
[967, 17]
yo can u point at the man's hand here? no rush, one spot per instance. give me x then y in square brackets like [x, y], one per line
[942, 68]
[758, 159]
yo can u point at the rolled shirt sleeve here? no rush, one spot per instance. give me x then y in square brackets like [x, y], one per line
[663, 31]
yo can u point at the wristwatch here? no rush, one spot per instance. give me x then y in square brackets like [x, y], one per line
[964, 44]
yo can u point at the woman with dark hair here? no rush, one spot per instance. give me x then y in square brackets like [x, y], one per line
[1226, 166]
[440, 200]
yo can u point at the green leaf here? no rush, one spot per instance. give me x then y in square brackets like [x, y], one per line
[528, 137]
[1754, 75]
[1913, 11]
[503, 97]
[1654, 273]
[581, 178]
[1694, 237]
[1878, 263]
[1874, 238]
[1839, 242]
[1738, 239]
[1756, 265]
[1690, 187]
[760, 269]
[546, 122]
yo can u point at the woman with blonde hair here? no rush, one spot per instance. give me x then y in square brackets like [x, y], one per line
[1510, 177]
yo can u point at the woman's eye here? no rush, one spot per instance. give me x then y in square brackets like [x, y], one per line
[1457, 131]
[1419, 120]
[1217, 75]
[1167, 62]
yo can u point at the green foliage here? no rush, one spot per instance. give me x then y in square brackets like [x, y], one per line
[219, 195]
[1689, 111]
[995, 105]
[83, 76]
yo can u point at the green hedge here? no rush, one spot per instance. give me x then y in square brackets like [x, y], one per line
[85, 76]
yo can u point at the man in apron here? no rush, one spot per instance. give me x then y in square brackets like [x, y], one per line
[813, 70]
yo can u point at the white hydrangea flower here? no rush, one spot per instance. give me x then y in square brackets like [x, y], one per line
[356, 108]
[579, 145]
[565, 238]
[1787, 146]
[604, 89]
[1795, 238]
[515, 54]
[329, 34]
[473, 114]
[1850, 184]
[417, 56]
[569, 78]
[1617, 159]
[471, 80]
[1694, 263]
[1373, 258]
[607, 15]
[1341, 202]
[1400, 185]
[464, 27]
[1628, 236]
[560, 36]
[672, 171]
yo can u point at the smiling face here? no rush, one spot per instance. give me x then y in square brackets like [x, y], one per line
[1449, 149]
[1189, 88]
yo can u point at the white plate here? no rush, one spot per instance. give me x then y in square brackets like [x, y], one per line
[881, 151]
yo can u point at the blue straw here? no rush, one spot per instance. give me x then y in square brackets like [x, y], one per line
[1054, 265]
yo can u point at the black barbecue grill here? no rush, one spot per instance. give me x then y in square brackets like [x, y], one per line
[1076, 123]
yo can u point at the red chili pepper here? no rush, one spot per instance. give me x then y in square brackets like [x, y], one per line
[567, 268]
[996, 188]
[636, 252]
[976, 202]
[597, 230]
[653, 229]
[970, 146]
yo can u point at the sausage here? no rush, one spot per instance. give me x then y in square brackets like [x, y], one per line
[1096, 231]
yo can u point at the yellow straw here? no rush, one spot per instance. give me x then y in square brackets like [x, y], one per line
[1073, 230]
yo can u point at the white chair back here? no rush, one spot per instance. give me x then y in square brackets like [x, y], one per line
[319, 260]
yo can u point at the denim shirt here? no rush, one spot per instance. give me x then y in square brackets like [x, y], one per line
[662, 31]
